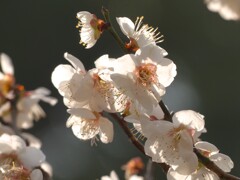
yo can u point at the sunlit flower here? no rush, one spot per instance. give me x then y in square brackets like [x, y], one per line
[90, 28]
[87, 124]
[139, 34]
[207, 149]
[93, 88]
[172, 143]
[144, 76]
[228, 9]
[17, 160]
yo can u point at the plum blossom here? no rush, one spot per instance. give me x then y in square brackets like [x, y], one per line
[228, 9]
[90, 28]
[87, 124]
[26, 102]
[18, 160]
[207, 149]
[172, 143]
[144, 76]
[93, 88]
[139, 34]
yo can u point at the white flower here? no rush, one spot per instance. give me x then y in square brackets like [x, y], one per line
[90, 28]
[93, 88]
[228, 9]
[18, 160]
[29, 109]
[87, 124]
[223, 161]
[202, 173]
[172, 143]
[144, 76]
[138, 34]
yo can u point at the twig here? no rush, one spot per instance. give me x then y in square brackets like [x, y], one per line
[111, 29]
[135, 142]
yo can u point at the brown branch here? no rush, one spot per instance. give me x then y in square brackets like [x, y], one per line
[133, 139]
[167, 114]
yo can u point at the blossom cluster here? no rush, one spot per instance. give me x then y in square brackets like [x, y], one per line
[20, 154]
[133, 86]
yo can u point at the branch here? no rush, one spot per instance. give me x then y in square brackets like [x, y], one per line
[111, 29]
[135, 142]
[167, 114]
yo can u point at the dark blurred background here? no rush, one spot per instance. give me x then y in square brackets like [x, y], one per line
[205, 48]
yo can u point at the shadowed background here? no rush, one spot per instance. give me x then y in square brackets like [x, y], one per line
[205, 48]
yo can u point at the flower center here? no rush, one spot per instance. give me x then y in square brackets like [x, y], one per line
[132, 46]
[101, 86]
[12, 168]
[146, 74]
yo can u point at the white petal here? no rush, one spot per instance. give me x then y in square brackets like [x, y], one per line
[102, 62]
[150, 52]
[166, 71]
[24, 121]
[5, 148]
[36, 174]
[136, 177]
[188, 165]
[82, 112]
[32, 157]
[6, 64]
[126, 25]
[125, 64]
[106, 130]
[223, 161]
[76, 63]
[82, 89]
[42, 91]
[14, 141]
[189, 118]
[47, 168]
[84, 16]
[206, 146]
[62, 73]
[174, 175]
